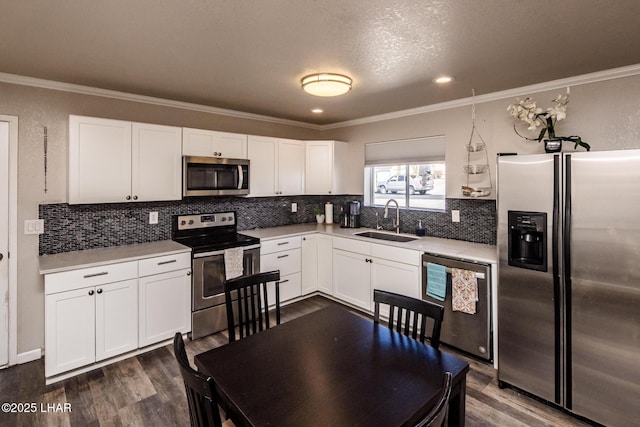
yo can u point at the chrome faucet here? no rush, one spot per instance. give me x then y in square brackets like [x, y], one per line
[396, 224]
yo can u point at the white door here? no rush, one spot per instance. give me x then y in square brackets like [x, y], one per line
[116, 318]
[4, 243]
[319, 167]
[290, 167]
[263, 157]
[352, 278]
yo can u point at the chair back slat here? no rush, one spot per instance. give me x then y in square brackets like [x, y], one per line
[415, 319]
[200, 390]
[251, 304]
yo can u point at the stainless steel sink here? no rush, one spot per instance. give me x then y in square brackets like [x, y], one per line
[385, 236]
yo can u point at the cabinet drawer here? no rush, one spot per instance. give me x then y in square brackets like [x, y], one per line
[392, 253]
[290, 287]
[162, 264]
[277, 245]
[288, 262]
[93, 276]
[352, 245]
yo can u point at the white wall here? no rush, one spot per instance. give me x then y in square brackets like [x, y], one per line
[606, 114]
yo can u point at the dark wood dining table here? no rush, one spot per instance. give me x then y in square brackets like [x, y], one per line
[332, 368]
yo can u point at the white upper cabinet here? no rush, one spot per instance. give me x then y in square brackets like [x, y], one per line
[208, 143]
[290, 167]
[327, 163]
[156, 159]
[118, 161]
[277, 166]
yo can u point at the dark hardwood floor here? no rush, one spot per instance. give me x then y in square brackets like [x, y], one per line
[147, 391]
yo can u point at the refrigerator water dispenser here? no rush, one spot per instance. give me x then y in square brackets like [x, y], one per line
[528, 240]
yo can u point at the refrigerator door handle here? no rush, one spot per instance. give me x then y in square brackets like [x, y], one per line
[555, 261]
[566, 269]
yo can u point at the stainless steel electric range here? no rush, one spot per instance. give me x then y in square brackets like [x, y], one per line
[208, 235]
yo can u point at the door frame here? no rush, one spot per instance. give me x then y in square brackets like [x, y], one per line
[13, 237]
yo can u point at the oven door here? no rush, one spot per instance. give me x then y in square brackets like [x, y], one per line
[209, 176]
[209, 276]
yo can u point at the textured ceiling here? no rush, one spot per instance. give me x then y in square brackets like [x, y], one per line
[249, 55]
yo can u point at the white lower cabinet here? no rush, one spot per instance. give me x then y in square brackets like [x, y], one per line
[283, 255]
[309, 267]
[360, 267]
[96, 313]
[164, 306]
[352, 278]
[90, 324]
[325, 264]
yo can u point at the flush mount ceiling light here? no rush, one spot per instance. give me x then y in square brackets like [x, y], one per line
[443, 79]
[326, 84]
[317, 110]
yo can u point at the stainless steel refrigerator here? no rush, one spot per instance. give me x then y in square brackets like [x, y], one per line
[569, 281]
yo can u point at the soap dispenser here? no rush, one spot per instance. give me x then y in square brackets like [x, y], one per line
[419, 230]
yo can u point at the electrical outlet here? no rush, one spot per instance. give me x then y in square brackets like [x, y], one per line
[153, 217]
[33, 226]
[294, 207]
[455, 216]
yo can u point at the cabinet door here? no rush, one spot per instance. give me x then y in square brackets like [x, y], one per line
[351, 278]
[156, 172]
[319, 167]
[164, 306]
[69, 330]
[99, 160]
[395, 277]
[116, 318]
[309, 268]
[290, 167]
[263, 157]
[208, 143]
[289, 289]
[325, 264]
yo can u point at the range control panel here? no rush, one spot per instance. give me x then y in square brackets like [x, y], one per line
[219, 219]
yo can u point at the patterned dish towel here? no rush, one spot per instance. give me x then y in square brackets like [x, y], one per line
[464, 290]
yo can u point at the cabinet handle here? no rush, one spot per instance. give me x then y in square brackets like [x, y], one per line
[99, 291]
[128, 197]
[102, 273]
[188, 273]
[283, 243]
[284, 281]
[167, 262]
[91, 292]
[135, 197]
[282, 256]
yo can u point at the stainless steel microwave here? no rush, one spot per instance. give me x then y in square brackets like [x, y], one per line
[212, 176]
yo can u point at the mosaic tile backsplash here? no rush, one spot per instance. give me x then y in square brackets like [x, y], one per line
[78, 227]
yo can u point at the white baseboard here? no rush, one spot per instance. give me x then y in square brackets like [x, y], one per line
[29, 356]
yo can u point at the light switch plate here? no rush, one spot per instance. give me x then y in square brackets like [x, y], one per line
[455, 216]
[294, 207]
[33, 226]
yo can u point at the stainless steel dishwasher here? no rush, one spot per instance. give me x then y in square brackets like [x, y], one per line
[471, 333]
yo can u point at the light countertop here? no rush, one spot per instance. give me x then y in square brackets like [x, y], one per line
[447, 247]
[94, 257]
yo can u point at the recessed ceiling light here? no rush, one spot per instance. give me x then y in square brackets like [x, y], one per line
[443, 79]
[326, 84]
[317, 110]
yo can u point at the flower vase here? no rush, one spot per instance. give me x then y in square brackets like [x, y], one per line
[320, 218]
[552, 145]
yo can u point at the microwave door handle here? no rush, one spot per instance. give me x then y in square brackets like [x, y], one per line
[240, 177]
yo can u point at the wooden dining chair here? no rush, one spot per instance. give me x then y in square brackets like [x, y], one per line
[201, 396]
[437, 417]
[411, 312]
[247, 301]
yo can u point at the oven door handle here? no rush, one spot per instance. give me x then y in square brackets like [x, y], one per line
[221, 252]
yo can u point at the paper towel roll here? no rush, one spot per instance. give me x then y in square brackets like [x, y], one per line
[328, 213]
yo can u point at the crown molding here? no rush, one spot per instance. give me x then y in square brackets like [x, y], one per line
[614, 73]
[599, 76]
[106, 93]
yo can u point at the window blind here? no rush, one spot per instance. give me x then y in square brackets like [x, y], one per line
[417, 150]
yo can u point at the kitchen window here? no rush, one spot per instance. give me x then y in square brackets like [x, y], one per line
[410, 171]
